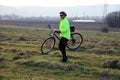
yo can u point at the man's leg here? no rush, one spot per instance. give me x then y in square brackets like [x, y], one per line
[62, 46]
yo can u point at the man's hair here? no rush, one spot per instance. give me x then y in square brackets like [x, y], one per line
[64, 13]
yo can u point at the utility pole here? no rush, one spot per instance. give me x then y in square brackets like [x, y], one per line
[105, 9]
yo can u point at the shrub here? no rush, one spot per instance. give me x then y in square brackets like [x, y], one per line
[105, 30]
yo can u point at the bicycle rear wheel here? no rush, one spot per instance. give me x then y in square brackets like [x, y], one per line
[48, 45]
[75, 42]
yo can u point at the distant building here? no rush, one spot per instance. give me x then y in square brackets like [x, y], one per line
[83, 21]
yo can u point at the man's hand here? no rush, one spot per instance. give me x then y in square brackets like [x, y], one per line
[58, 31]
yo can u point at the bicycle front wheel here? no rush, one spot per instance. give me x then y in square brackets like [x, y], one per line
[48, 45]
[75, 42]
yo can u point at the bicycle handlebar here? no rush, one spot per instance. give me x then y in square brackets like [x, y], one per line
[50, 27]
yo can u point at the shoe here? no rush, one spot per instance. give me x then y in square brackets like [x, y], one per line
[63, 61]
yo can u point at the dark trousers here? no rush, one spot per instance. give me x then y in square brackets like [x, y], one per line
[62, 46]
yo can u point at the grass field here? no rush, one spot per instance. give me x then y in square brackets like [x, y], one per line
[21, 59]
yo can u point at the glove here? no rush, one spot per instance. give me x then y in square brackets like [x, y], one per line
[58, 31]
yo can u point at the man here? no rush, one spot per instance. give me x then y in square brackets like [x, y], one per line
[64, 30]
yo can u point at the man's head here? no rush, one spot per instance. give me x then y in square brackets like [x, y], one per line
[62, 14]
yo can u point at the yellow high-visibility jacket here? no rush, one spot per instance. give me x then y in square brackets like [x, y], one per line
[64, 28]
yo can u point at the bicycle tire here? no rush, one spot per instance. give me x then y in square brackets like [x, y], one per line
[75, 42]
[47, 45]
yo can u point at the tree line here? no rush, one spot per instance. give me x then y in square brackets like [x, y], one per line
[113, 19]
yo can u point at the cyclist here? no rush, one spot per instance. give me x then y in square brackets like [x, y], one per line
[64, 30]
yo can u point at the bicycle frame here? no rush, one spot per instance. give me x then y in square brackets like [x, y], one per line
[54, 31]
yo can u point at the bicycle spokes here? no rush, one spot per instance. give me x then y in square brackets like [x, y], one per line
[75, 42]
[48, 45]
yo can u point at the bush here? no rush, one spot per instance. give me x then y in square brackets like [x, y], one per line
[105, 30]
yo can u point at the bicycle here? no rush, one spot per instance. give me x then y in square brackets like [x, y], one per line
[75, 41]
